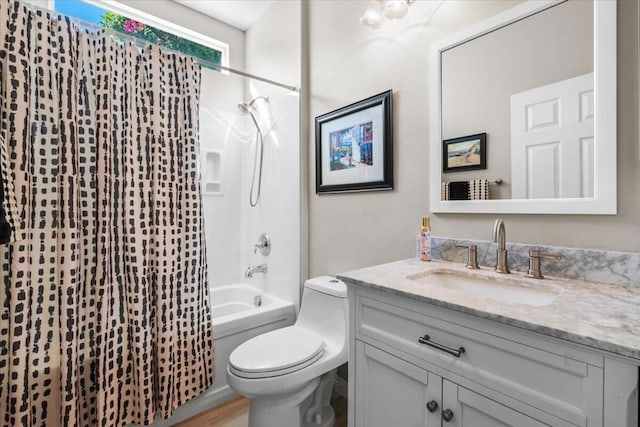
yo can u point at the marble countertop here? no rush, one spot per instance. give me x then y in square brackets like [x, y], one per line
[601, 316]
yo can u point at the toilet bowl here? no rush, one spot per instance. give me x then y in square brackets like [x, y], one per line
[288, 373]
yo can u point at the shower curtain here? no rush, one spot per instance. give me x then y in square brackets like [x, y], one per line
[104, 312]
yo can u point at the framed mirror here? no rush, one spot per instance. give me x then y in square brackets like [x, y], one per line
[539, 82]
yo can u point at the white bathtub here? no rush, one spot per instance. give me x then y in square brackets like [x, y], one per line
[235, 319]
[234, 309]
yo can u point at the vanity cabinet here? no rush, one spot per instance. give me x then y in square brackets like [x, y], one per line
[415, 364]
[395, 392]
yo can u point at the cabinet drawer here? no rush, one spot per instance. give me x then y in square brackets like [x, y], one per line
[524, 370]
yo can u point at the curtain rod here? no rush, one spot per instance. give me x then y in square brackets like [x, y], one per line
[143, 43]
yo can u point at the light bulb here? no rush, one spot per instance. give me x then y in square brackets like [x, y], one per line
[373, 15]
[396, 9]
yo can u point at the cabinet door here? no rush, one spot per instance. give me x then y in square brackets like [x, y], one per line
[470, 409]
[392, 392]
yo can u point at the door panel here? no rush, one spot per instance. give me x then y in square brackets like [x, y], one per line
[392, 392]
[473, 410]
[543, 171]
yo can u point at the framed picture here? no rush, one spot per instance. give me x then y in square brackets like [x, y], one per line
[354, 147]
[464, 153]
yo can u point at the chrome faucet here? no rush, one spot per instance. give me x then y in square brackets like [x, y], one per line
[263, 245]
[500, 237]
[262, 268]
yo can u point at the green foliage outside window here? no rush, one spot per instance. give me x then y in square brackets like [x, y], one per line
[151, 34]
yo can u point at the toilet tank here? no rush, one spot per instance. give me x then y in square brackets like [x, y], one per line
[327, 285]
[325, 309]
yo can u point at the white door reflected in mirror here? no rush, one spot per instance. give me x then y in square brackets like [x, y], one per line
[552, 140]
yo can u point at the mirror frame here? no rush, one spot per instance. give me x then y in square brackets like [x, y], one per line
[605, 87]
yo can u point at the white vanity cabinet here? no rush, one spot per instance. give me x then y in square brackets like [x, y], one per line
[393, 392]
[504, 375]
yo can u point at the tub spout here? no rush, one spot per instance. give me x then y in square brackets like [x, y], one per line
[262, 268]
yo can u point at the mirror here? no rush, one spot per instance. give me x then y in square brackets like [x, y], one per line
[523, 112]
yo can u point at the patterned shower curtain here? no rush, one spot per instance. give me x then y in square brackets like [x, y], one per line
[104, 312]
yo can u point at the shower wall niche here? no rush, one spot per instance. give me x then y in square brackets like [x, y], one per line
[212, 173]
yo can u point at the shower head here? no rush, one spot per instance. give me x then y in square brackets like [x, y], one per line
[246, 107]
[260, 112]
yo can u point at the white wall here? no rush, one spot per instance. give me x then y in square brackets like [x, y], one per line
[273, 43]
[223, 129]
[273, 51]
[350, 62]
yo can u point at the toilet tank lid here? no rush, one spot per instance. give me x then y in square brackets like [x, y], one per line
[328, 285]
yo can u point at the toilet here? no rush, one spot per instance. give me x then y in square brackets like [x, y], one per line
[288, 373]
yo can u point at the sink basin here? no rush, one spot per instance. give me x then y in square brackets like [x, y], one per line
[513, 289]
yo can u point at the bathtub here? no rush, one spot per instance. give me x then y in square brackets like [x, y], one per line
[236, 318]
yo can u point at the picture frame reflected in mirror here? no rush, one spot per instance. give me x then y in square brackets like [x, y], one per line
[464, 153]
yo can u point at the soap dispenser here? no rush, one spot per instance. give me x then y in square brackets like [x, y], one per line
[424, 240]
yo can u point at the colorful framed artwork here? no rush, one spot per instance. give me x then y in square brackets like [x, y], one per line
[354, 147]
[464, 153]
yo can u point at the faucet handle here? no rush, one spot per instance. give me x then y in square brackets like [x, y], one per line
[472, 256]
[537, 253]
[263, 245]
[534, 262]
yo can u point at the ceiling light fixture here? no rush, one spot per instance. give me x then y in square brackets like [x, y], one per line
[396, 9]
[390, 9]
[373, 15]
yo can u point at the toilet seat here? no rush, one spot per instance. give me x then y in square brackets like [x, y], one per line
[276, 353]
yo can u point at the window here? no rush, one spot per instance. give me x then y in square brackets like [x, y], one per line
[135, 24]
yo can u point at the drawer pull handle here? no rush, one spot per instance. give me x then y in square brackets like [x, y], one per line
[432, 406]
[426, 340]
[447, 415]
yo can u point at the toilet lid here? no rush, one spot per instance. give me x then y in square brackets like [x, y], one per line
[278, 350]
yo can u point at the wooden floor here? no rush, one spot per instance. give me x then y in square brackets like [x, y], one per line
[236, 414]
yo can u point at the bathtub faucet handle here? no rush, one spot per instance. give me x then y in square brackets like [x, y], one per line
[264, 244]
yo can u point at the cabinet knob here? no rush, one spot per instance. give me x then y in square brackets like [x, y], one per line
[447, 415]
[432, 406]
